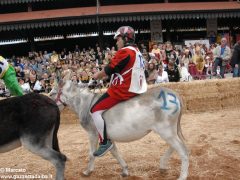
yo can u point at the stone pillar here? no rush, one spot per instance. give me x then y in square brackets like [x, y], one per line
[168, 33]
[156, 31]
[29, 7]
[100, 35]
[211, 30]
[232, 36]
[31, 40]
[99, 26]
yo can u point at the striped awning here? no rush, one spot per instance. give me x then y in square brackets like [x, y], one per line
[2, 2]
[122, 13]
[170, 16]
[112, 19]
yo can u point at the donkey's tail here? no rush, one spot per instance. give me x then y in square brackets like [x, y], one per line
[55, 145]
[179, 129]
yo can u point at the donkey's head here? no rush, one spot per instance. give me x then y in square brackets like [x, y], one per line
[67, 90]
[63, 90]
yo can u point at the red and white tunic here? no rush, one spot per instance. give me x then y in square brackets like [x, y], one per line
[121, 64]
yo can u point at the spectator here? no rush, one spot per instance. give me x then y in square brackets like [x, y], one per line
[46, 56]
[54, 57]
[84, 77]
[26, 71]
[156, 52]
[162, 75]
[62, 57]
[75, 79]
[222, 55]
[33, 65]
[19, 72]
[169, 51]
[153, 60]
[2, 90]
[24, 85]
[142, 47]
[185, 58]
[32, 81]
[208, 65]
[152, 73]
[46, 79]
[173, 72]
[43, 88]
[163, 56]
[185, 75]
[69, 56]
[192, 68]
[77, 49]
[199, 61]
[235, 61]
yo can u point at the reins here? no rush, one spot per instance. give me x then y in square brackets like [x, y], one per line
[58, 97]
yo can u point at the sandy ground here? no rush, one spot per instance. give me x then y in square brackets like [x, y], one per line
[213, 139]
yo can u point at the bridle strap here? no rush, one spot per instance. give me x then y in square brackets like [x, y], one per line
[59, 99]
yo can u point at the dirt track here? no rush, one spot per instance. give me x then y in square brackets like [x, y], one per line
[213, 139]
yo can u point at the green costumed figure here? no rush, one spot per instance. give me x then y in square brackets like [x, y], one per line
[8, 74]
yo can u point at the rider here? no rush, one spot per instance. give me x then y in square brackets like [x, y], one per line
[123, 85]
[8, 74]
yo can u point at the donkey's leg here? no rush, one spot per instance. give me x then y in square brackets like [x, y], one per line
[93, 141]
[170, 136]
[181, 149]
[41, 147]
[119, 158]
[164, 159]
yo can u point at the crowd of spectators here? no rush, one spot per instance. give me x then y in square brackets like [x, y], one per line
[166, 63]
[40, 71]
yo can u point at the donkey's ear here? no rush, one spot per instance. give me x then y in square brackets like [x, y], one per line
[60, 83]
[67, 75]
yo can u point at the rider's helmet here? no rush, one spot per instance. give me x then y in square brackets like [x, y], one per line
[127, 33]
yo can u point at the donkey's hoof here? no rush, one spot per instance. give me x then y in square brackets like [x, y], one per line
[164, 168]
[181, 178]
[86, 173]
[124, 174]
[163, 171]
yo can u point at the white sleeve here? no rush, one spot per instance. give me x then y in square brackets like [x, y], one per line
[165, 76]
[37, 86]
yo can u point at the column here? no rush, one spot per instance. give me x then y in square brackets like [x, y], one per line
[99, 26]
[30, 37]
[156, 31]
[212, 30]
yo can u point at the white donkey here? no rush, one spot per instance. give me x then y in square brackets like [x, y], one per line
[158, 110]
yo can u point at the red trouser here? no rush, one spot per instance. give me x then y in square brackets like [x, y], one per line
[104, 103]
